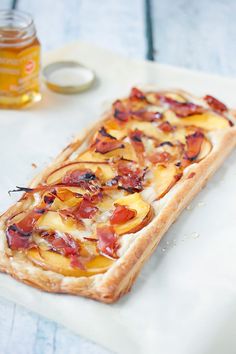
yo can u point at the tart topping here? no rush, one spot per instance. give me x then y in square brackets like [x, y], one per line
[18, 234]
[120, 111]
[141, 146]
[104, 146]
[130, 177]
[107, 240]
[136, 141]
[78, 177]
[143, 214]
[73, 266]
[85, 179]
[17, 239]
[186, 109]
[85, 210]
[63, 243]
[165, 177]
[98, 169]
[181, 109]
[146, 116]
[105, 142]
[159, 157]
[215, 104]
[103, 132]
[166, 127]
[122, 214]
[49, 198]
[194, 143]
[137, 94]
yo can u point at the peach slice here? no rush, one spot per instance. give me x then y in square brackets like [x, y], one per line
[205, 149]
[114, 128]
[180, 135]
[175, 96]
[53, 221]
[165, 178]
[207, 120]
[59, 264]
[148, 128]
[144, 214]
[127, 153]
[65, 198]
[103, 169]
[151, 97]
[108, 199]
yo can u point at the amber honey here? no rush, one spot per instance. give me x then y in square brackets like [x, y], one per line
[19, 60]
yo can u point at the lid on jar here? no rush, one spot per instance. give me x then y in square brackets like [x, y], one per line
[68, 77]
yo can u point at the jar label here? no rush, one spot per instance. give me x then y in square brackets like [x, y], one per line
[19, 71]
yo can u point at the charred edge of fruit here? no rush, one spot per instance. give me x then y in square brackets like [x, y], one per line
[166, 143]
[103, 132]
[20, 189]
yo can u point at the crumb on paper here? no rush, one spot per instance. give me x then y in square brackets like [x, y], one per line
[34, 165]
[195, 234]
[192, 235]
[201, 203]
[189, 207]
[169, 244]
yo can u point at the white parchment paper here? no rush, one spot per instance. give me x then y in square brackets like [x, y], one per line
[184, 300]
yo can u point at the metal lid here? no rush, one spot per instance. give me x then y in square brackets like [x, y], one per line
[68, 77]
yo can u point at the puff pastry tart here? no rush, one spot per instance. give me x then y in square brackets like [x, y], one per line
[87, 224]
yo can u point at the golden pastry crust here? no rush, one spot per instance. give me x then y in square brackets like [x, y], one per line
[117, 281]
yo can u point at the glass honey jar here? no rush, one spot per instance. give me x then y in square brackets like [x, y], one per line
[19, 60]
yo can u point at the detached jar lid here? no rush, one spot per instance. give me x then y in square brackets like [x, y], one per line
[68, 77]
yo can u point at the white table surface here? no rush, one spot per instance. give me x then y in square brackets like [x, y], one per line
[198, 34]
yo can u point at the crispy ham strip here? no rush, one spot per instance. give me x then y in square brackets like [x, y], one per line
[107, 240]
[122, 214]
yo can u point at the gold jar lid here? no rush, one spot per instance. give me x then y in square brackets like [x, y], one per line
[68, 77]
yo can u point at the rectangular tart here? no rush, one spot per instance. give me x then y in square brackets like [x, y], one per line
[87, 224]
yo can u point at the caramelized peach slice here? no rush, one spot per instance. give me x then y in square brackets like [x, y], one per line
[148, 129]
[53, 221]
[180, 135]
[207, 120]
[165, 178]
[205, 149]
[143, 215]
[108, 199]
[175, 96]
[59, 264]
[65, 198]
[114, 128]
[104, 171]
